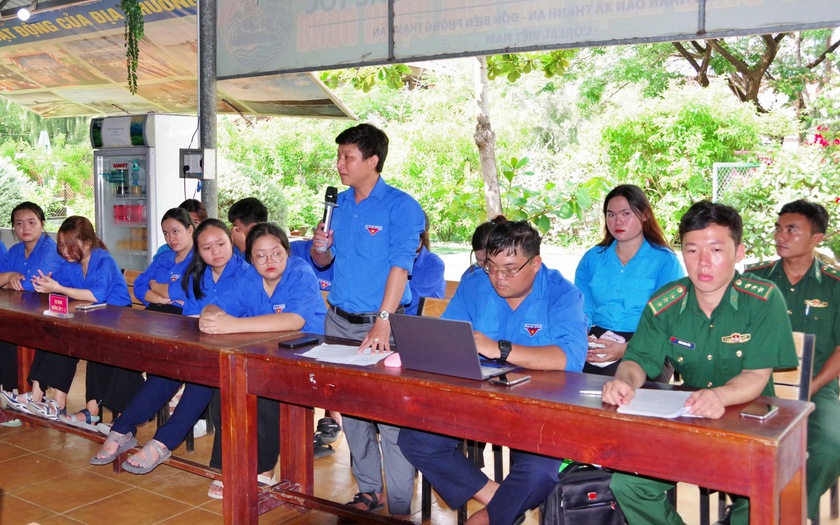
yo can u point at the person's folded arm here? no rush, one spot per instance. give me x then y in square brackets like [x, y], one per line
[213, 320]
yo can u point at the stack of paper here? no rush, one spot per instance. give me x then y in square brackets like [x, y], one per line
[345, 355]
[658, 403]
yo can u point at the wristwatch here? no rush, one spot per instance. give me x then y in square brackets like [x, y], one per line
[504, 350]
[384, 314]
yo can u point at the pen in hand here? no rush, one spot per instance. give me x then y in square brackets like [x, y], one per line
[591, 393]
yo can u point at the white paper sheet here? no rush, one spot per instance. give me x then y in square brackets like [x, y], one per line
[345, 355]
[667, 404]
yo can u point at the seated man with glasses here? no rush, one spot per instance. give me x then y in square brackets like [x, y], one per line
[525, 314]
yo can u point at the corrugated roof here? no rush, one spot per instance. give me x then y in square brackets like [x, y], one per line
[68, 59]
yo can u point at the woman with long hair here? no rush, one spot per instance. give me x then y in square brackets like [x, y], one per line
[88, 273]
[35, 252]
[427, 278]
[159, 286]
[618, 275]
[212, 270]
[278, 292]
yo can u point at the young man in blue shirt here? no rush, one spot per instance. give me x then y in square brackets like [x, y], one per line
[372, 243]
[527, 315]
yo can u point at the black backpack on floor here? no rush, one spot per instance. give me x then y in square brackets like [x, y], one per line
[581, 497]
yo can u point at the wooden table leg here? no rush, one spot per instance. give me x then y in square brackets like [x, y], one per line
[239, 443]
[24, 357]
[296, 463]
[792, 505]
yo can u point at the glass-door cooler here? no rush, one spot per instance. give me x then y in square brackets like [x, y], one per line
[138, 178]
[123, 206]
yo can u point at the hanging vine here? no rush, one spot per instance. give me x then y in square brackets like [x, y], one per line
[133, 35]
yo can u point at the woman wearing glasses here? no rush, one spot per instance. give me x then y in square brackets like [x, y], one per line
[478, 255]
[212, 271]
[618, 275]
[277, 293]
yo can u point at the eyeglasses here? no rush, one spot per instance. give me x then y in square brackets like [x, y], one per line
[505, 272]
[262, 258]
[478, 261]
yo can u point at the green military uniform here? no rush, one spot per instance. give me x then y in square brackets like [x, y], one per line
[748, 330]
[814, 308]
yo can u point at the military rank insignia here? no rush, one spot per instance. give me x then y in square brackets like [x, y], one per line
[666, 300]
[758, 289]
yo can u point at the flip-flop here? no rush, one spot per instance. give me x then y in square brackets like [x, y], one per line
[145, 465]
[124, 442]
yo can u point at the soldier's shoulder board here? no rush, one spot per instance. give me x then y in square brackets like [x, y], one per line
[758, 266]
[668, 298]
[831, 271]
[757, 288]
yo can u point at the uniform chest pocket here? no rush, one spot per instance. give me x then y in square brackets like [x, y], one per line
[371, 240]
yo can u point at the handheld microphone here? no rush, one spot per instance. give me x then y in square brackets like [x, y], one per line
[330, 202]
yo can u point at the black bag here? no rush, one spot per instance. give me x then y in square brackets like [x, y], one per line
[581, 497]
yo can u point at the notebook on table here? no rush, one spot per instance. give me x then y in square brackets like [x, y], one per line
[441, 346]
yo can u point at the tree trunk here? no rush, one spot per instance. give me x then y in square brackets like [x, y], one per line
[485, 139]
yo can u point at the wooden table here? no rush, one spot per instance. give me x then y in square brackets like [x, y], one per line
[764, 461]
[161, 344]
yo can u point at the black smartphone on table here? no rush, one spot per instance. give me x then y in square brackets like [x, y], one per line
[307, 340]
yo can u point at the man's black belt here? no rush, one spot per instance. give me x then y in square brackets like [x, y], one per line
[359, 318]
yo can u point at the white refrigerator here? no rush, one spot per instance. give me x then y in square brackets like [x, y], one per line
[138, 177]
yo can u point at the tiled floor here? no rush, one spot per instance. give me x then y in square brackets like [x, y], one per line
[45, 477]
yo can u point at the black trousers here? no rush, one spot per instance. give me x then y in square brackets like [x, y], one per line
[268, 433]
[8, 366]
[597, 331]
[52, 370]
[111, 386]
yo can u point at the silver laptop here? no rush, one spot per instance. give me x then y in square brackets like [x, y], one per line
[442, 346]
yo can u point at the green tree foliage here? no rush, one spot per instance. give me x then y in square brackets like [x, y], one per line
[13, 185]
[668, 145]
[364, 78]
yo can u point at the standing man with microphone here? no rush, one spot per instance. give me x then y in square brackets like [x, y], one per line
[373, 240]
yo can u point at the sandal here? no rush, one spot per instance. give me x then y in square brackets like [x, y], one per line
[144, 464]
[74, 420]
[216, 490]
[10, 400]
[369, 500]
[327, 431]
[47, 408]
[124, 442]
